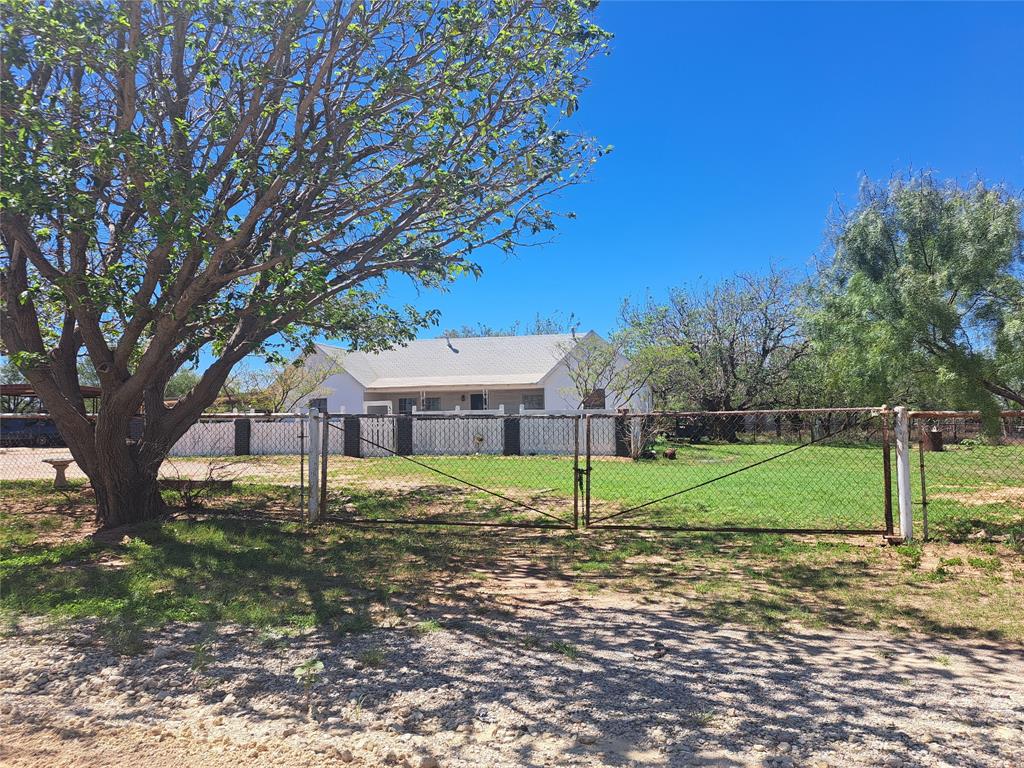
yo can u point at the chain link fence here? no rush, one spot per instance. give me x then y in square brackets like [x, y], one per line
[462, 470]
[232, 460]
[809, 470]
[797, 470]
[969, 474]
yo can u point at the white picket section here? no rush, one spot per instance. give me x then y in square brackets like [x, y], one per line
[457, 436]
[336, 436]
[546, 436]
[207, 438]
[602, 437]
[451, 435]
[373, 432]
[270, 438]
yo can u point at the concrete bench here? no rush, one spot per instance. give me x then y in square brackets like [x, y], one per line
[60, 465]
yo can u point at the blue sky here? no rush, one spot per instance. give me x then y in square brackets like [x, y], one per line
[736, 126]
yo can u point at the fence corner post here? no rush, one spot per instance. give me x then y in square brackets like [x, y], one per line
[313, 513]
[903, 473]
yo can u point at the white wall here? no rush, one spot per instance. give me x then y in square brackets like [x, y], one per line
[344, 393]
[560, 393]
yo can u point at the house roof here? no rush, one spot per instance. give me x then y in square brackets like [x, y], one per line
[479, 361]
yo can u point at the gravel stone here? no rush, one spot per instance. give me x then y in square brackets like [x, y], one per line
[488, 691]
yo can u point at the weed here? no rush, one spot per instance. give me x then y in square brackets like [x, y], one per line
[702, 717]
[428, 626]
[124, 634]
[373, 658]
[911, 554]
[989, 564]
[307, 674]
[202, 657]
[568, 650]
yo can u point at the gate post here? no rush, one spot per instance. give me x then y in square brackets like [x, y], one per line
[903, 473]
[576, 473]
[313, 511]
[586, 492]
[887, 469]
[325, 450]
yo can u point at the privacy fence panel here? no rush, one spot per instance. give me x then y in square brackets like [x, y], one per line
[277, 437]
[968, 474]
[806, 470]
[207, 438]
[461, 436]
[377, 434]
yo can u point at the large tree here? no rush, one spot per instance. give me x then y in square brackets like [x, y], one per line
[924, 297]
[218, 176]
[731, 346]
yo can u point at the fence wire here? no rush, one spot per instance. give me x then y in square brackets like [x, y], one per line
[806, 470]
[236, 461]
[968, 474]
[459, 470]
[797, 470]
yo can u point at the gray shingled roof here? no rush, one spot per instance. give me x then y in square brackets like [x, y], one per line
[482, 361]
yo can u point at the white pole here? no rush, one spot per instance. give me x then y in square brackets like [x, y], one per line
[903, 473]
[314, 465]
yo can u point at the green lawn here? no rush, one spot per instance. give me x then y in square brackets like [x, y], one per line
[830, 487]
[822, 486]
[239, 563]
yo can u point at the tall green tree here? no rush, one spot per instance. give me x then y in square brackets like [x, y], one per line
[224, 175]
[924, 297]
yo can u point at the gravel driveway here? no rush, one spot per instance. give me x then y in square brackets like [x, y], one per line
[531, 674]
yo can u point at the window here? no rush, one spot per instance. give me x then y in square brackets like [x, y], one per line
[405, 404]
[534, 402]
[431, 403]
[595, 400]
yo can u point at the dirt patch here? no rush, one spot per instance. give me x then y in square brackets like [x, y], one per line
[534, 675]
[1005, 495]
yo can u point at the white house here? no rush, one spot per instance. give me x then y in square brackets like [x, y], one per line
[537, 373]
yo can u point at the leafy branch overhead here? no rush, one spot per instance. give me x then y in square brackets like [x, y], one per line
[228, 176]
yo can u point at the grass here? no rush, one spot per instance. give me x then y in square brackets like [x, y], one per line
[822, 486]
[373, 658]
[249, 563]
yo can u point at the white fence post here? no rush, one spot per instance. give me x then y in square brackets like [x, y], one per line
[314, 465]
[903, 473]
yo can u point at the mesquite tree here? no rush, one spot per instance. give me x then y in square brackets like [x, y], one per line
[924, 297]
[215, 177]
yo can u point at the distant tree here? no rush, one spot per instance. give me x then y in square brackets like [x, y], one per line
[602, 376]
[538, 326]
[10, 374]
[181, 383]
[924, 297]
[231, 178]
[733, 346]
[281, 387]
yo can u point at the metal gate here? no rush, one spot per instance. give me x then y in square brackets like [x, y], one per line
[794, 471]
[463, 469]
[808, 470]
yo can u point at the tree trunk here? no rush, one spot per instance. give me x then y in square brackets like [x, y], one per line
[123, 472]
[125, 493]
